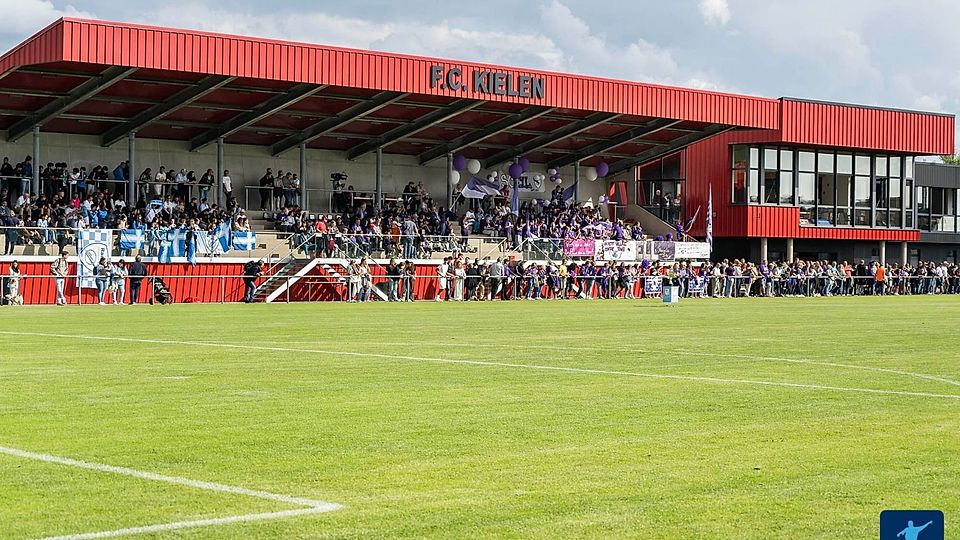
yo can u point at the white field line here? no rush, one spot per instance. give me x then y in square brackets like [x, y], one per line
[732, 357]
[662, 376]
[313, 507]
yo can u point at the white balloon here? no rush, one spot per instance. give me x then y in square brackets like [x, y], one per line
[473, 166]
[559, 180]
[551, 172]
[591, 173]
[495, 174]
[454, 177]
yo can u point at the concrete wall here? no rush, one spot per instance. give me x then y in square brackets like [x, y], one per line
[248, 163]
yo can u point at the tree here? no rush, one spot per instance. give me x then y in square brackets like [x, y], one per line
[951, 159]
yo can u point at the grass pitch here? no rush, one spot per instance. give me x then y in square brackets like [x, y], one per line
[658, 430]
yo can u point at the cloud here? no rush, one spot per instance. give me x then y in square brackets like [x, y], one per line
[559, 41]
[715, 11]
[25, 17]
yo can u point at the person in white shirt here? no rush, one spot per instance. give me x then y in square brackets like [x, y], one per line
[227, 185]
[160, 179]
[442, 272]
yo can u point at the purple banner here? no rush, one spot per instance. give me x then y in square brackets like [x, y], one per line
[577, 247]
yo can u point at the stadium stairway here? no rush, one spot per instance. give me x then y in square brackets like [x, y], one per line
[283, 279]
[652, 225]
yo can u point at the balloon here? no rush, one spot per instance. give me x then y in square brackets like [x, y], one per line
[454, 177]
[473, 166]
[602, 169]
[556, 179]
[459, 162]
[591, 174]
[495, 174]
[525, 164]
[552, 172]
[516, 170]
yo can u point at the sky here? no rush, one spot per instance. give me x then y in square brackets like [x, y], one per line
[895, 53]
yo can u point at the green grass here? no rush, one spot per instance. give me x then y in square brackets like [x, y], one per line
[418, 448]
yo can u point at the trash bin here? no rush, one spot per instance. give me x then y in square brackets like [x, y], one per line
[671, 294]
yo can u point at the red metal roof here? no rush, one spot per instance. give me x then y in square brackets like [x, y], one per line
[69, 52]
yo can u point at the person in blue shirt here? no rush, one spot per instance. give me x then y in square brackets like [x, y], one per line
[120, 173]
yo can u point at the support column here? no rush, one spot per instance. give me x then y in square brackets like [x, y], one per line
[447, 181]
[35, 181]
[883, 252]
[763, 250]
[790, 256]
[904, 252]
[219, 179]
[379, 195]
[132, 168]
[576, 182]
[303, 177]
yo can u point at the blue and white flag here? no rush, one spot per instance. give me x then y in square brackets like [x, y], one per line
[172, 244]
[244, 240]
[92, 245]
[220, 243]
[132, 239]
[710, 218]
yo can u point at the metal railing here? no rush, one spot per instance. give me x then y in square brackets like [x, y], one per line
[162, 288]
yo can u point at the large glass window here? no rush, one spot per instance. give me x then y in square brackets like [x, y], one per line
[807, 196]
[826, 189]
[738, 175]
[771, 176]
[844, 182]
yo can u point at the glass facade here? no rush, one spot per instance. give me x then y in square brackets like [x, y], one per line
[938, 209]
[831, 188]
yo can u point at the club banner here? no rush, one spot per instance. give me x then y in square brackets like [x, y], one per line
[92, 244]
[616, 250]
[663, 251]
[653, 285]
[576, 247]
[698, 285]
[691, 250]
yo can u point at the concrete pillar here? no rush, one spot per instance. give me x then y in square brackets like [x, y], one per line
[132, 167]
[790, 250]
[576, 182]
[379, 195]
[904, 253]
[763, 249]
[35, 181]
[447, 180]
[883, 252]
[303, 177]
[220, 167]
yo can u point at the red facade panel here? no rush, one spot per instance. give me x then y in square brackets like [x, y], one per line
[830, 124]
[708, 164]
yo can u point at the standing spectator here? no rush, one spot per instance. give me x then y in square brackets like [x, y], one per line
[137, 272]
[102, 274]
[206, 183]
[266, 186]
[409, 277]
[227, 185]
[118, 280]
[393, 280]
[11, 234]
[159, 180]
[251, 272]
[59, 268]
[13, 284]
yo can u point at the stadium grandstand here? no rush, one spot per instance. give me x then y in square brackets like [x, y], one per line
[322, 173]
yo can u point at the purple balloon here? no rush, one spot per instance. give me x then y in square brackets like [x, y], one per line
[525, 164]
[602, 169]
[516, 170]
[459, 162]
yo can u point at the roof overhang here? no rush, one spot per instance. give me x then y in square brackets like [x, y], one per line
[109, 79]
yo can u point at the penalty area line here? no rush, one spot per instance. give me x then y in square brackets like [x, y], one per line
[660, 376]
[312, 506]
